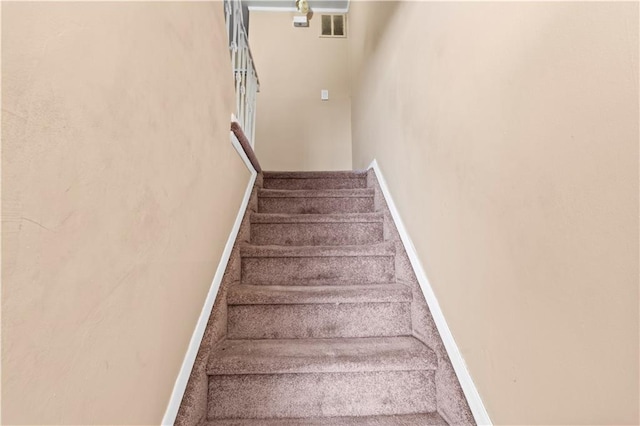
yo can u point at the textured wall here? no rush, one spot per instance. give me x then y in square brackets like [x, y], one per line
[508, 134]
[119, 189]
[295, 130]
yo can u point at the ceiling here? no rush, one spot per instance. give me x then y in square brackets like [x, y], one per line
[290, 5]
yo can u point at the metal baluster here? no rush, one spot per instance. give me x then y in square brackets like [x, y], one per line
[245, 75]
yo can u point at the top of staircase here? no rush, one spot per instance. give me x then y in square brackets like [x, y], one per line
[316, 193]
[342, 174]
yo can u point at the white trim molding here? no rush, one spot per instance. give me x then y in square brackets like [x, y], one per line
[466, 382]
[317, 6]
[319, 10]
[180, 384]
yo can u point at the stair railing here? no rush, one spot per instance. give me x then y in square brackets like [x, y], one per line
[244, 69]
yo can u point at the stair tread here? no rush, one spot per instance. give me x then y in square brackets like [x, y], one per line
[316, 193]
[341, 174]
[327, 283]
[338, 355]
[296, 295]
[380, 249]
[422, 419]
[315, 218]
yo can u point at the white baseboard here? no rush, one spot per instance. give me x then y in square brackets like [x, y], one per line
[196, 338]
[466, 382]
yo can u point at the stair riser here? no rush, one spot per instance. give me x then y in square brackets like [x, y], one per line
[317, 270]
[317, 183]
[321, 395]
[319, 321]
[315, 205]
[317, 233]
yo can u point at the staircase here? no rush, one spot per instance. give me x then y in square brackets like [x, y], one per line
[319, 330]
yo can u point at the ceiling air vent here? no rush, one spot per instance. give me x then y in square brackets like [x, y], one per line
[333, 26]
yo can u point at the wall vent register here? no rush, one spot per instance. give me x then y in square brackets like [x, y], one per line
[333, 26]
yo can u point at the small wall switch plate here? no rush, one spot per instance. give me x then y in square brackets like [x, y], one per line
[324, 94]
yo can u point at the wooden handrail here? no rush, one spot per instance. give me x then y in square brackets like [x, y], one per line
[246, 146]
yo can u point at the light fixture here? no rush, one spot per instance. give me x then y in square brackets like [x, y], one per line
[301, 20]
[302, 6]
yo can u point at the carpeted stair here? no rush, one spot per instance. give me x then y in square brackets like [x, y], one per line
[319, 330]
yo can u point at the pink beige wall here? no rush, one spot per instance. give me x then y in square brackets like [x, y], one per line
[508, 134]
[295, 130]
[119, 190]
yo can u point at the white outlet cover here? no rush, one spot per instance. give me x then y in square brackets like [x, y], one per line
[324, 95]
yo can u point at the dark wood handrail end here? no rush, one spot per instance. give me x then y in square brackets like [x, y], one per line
[246, 146]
